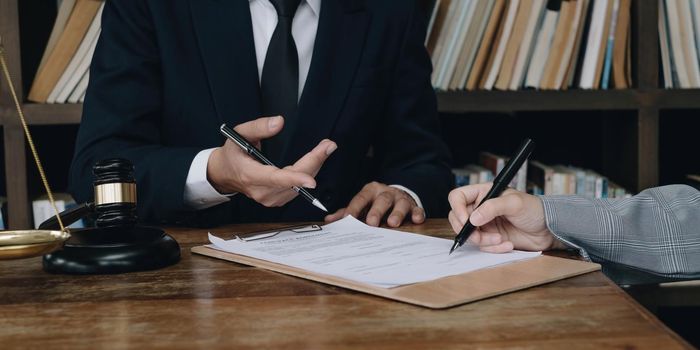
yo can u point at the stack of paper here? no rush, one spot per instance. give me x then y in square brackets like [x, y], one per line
[380, 257]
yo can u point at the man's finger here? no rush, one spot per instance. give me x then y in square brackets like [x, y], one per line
[261, 128]
[311, 162]
[339, 214]
[380, 206]
[285, 178]
[418, 215]
[493, 208]
[401, 208]
[359, 203]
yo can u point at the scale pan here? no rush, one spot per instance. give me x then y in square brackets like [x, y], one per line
[22, 244]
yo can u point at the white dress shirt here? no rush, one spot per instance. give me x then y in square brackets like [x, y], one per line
[199, 193]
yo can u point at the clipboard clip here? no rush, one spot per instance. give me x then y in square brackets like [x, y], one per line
[260, 235]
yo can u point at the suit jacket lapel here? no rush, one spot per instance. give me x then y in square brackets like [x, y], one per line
[224, 33]
[337, 50]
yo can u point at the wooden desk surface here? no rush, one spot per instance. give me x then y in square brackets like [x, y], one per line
[204, 302]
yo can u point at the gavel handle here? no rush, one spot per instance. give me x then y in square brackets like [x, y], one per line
[68, 216]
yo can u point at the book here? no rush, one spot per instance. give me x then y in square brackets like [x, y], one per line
[620, 52]
[431, 23]
[499, 53]
[607, 21]
[542, 176]
[688, 42]
[3, 213]
[542, 45]
[64, 11]
[495, 164]
[77, 76]
[446, 38]
[42, 208]
[79, 92]
[528, 44]
[438, 26]
[454, 51]
[695, 14]
[576, 52]
[79, 63]
[694, 181]
[471, 44]
[487, 43]
[510, 56]
[607, 65]
[463, 177]
[677, 54]
[596, 33]
[483, 174]
[564, 180]
[66, 46]
[664, 48]
[471, 175]
[571, 47]
[556, 52]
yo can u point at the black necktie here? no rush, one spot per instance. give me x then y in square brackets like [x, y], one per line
[280, 78]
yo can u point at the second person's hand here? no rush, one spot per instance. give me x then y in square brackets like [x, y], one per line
[514, 220]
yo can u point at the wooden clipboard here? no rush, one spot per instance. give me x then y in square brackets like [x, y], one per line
[444, 292]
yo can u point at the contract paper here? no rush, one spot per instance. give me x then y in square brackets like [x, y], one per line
[352, 250]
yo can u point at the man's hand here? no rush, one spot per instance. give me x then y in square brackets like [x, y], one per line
[378, 201]
[231, 170]
[514, 220]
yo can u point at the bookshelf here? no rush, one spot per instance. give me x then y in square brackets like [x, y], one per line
[640, 148]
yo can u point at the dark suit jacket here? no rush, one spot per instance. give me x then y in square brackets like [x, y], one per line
[167, 73]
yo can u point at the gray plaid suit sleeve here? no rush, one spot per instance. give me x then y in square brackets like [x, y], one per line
[657, 230]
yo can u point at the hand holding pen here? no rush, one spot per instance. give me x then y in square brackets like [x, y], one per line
[232, 169]
[500, 183]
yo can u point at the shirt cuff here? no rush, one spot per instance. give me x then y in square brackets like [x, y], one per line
[563, 219]
[199, 193]
[410, 193]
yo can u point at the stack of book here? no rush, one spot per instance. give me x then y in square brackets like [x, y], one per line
[540, 44]
[679, 41]
[537, 178]
[3, 214]
[694, 180]
[489, 164]
[42, 209]
[63, 73]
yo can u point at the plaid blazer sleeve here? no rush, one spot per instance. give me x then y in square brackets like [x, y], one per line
[657, 230]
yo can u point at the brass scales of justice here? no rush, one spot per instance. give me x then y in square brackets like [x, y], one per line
[117, 244]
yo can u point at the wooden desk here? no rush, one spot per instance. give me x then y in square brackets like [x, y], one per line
[204, 302]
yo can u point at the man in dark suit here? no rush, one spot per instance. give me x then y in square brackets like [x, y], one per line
[167, 73]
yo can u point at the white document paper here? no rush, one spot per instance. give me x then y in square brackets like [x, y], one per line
[352, 250]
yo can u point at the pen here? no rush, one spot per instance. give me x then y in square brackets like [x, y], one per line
[504, 177]
[253, 152]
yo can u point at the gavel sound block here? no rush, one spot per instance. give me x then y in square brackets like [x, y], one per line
[117, 244]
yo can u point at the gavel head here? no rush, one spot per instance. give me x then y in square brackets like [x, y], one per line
[115, 193]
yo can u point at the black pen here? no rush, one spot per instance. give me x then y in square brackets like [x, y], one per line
[504, 177]
[253, 152]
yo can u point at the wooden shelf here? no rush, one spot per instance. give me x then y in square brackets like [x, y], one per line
[534, 100]
[53, 114]
[574, 100]
[676, 99]
[44, 114]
